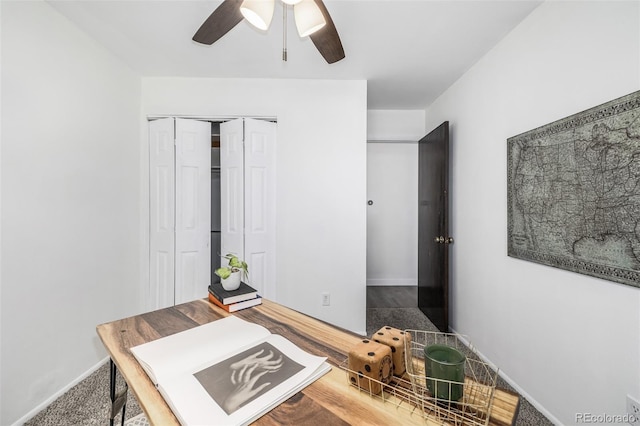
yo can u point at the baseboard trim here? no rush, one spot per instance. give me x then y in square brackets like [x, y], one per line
[372, 282]
[31, 414]
[511, 382]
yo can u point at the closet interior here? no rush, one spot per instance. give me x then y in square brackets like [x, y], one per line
[215, 201]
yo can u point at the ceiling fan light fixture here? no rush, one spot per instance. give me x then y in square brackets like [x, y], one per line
[258, 12]
[291, 2]
[309, 18]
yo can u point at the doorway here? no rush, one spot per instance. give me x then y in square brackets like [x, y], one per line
[392, 213]
[408, 204]
[392, 233]
[183, 191]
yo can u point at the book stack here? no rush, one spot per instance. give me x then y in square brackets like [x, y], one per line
[243, 297]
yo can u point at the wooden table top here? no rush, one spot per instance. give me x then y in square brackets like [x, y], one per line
[330, 400]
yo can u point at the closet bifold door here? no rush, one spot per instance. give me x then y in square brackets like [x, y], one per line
[179, 211]
[260, 199]
[193, 210]
[232, 189]
[161, 213]
[248, 186]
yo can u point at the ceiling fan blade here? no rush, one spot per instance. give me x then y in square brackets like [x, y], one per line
[327, 40]
[221, 21]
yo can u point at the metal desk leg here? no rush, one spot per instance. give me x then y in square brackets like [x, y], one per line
[118, 400]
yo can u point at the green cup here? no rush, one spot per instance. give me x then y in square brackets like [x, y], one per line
[447, 365]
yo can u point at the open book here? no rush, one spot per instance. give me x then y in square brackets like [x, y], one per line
[227, 372]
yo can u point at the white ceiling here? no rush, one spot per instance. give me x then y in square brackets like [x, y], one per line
[410, 51]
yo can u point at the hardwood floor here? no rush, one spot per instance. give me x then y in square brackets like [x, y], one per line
[392, 296]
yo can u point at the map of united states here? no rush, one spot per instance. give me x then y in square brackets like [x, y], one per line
[574, 193]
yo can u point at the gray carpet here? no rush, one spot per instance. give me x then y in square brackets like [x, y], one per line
[85, 404]
[88, 403]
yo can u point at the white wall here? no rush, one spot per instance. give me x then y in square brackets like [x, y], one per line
[70, 203]
[395, 125]
[392, 185]
[570, 341]
[321, 179]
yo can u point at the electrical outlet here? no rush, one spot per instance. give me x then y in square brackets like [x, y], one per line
[633, 409]
[326, 299]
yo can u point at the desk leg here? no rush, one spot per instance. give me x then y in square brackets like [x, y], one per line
[118, 400]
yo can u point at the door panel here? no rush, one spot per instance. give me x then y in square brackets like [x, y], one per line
[247, 164]
[193, 209]
[260, 219]
[433, 206]
[232, 188]
[162, 210]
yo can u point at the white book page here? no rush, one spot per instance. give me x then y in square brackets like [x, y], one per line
[181, 352]
[241, 388]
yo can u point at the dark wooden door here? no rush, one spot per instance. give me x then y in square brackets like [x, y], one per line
[433, 226]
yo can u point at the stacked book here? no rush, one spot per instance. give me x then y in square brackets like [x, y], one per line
[243, 297]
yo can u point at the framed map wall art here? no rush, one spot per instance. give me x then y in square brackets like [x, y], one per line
[573, 192]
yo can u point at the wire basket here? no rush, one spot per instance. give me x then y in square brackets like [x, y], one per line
[397, 392]
[477, 388]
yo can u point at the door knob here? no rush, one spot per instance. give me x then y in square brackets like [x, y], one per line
[443, 240]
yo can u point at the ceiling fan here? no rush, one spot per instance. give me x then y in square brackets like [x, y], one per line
[312, 19]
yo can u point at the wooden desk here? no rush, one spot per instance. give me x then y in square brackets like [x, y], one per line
[329, 400]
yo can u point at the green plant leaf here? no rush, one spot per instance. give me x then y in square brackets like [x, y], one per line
[235, 265]
[223, 272]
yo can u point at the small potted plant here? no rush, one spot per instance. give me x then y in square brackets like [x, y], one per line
[231, 275]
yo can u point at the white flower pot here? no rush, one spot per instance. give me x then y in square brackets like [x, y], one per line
[231, 283]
